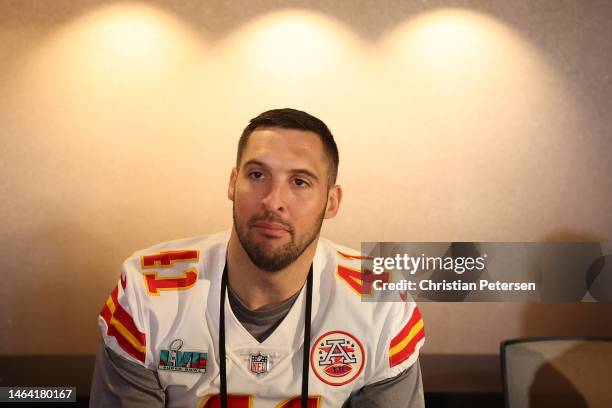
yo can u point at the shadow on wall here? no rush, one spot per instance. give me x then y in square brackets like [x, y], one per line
[569, 318]
[578, 377]
[550, 388]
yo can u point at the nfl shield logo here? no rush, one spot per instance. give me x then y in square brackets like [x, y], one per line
[259, 363]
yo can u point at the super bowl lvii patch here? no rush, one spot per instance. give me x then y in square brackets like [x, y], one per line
[175, 359]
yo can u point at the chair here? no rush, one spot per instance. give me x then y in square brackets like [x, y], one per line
[557, 372]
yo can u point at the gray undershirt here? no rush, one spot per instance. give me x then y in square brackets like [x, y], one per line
[260, 323]
[118, 382]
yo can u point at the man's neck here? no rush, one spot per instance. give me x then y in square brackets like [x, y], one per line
[258, 289]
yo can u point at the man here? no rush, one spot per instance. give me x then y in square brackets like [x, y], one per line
[267, 315]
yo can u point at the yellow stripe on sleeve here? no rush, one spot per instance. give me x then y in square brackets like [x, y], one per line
[418, 326]
[127, 335]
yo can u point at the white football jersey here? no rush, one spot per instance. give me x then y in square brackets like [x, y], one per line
[164, 315]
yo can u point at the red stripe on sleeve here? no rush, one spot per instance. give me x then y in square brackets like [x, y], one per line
[126, 345]
[126, 319]
[106, 314]
[406, 351]
[416, 316]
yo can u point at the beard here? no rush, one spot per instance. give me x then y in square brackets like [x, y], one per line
[273, 260]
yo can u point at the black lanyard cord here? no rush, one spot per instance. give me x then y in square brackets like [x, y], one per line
[222, 354]
[305, 358]
[222, 368]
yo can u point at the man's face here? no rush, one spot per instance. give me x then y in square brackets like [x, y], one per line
[280, 195]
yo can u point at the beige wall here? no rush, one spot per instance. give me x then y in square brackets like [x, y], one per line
[118, 126]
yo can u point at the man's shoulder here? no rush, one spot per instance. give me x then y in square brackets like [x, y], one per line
[176, 264]
[167, 254]
[339, 253]
[348, 281]
[349, 267]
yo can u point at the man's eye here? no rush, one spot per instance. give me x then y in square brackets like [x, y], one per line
[300, 182]
[256, 174]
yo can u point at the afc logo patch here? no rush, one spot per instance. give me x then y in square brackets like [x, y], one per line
[337, 358]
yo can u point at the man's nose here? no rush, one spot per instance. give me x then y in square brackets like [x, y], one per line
[275, 200]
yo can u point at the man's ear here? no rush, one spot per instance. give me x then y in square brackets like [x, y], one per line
[231, 188]
[334, 197]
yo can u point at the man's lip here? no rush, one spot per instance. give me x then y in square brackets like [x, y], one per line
[270, 226]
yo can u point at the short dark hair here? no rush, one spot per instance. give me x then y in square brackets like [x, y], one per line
[287, 118]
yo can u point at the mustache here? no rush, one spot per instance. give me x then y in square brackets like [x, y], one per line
[272, 218]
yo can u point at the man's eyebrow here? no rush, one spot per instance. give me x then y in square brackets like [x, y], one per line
[305, 172]
[254, 162]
